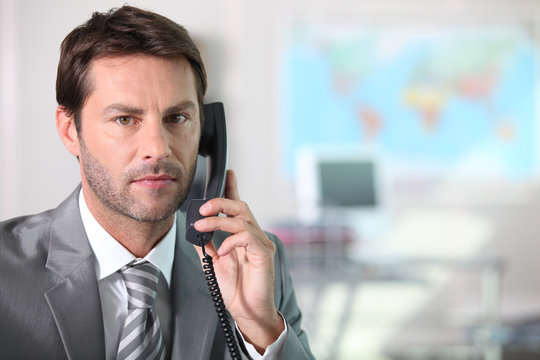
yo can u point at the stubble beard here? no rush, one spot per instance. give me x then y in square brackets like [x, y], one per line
[121, 200]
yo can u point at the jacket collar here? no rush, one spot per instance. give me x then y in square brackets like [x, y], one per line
[74, 300]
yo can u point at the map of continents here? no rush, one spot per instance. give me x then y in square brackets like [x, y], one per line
[460, 101]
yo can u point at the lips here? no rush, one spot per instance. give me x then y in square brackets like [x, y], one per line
[156, 177]
[154, 181]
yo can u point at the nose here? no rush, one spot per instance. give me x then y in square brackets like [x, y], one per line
[154, 142]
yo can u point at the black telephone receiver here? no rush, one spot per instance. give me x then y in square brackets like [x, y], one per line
[213, 146]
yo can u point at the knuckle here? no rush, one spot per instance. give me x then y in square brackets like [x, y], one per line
[241, 223]
[244, 206]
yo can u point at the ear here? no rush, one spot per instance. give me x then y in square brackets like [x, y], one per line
[65, 125]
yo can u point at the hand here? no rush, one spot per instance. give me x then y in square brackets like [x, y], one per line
[244, 266]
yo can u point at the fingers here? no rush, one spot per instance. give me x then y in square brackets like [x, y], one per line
[227, 224]
[244, 234]
[231, 186]
[249, 242]
[227, 207]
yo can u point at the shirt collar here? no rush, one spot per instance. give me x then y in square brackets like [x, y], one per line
[111, 256]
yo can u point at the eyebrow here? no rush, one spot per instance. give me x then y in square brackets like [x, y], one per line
[122, 108]
[132, 110]
[183, 106]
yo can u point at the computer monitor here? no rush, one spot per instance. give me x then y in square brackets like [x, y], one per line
[335, 184]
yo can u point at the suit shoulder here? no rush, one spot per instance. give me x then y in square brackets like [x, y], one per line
[24, 234]
[18, 226]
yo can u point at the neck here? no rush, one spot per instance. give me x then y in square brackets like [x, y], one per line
[138, 237]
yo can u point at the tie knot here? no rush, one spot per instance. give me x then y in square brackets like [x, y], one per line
[141, 279]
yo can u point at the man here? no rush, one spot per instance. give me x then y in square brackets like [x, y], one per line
[108, 274]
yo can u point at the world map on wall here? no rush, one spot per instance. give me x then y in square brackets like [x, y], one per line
[433, 102]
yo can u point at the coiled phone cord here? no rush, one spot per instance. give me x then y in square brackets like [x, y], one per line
[221, 311]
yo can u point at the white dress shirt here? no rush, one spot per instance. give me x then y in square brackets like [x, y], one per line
[111, 256]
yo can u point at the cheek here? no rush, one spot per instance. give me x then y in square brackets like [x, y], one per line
[110, 159]
[115, 153]
[185, 150]
[186, 146]
[117, 167]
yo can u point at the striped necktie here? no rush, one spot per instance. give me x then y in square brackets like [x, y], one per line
[141, 336]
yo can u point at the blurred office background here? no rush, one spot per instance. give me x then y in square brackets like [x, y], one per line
[393, 146]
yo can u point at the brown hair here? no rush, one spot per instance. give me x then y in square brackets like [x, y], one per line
[122, 31]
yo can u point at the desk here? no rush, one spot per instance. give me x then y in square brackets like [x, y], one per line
[356, 272]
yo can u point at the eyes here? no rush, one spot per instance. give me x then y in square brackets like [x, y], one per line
[170, 119]
[124, 120]
[176, 119]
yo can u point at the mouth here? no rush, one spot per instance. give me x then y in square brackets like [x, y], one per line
[154, 181]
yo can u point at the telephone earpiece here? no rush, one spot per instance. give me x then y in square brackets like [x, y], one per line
[213, 147]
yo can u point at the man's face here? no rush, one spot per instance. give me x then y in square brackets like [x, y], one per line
[140, 129]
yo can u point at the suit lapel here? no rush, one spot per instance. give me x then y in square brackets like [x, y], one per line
[194, 326]
[74, 300]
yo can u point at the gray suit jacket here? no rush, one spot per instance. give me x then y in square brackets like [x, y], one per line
[49, 300]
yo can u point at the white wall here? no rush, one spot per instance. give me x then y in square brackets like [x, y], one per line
[8, 106]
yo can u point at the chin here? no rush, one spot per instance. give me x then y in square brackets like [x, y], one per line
[151, 217]
[162, 210]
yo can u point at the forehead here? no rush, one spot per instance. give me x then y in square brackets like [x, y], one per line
[142, 78]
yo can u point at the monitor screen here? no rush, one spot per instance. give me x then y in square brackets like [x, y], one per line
[347, 183]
